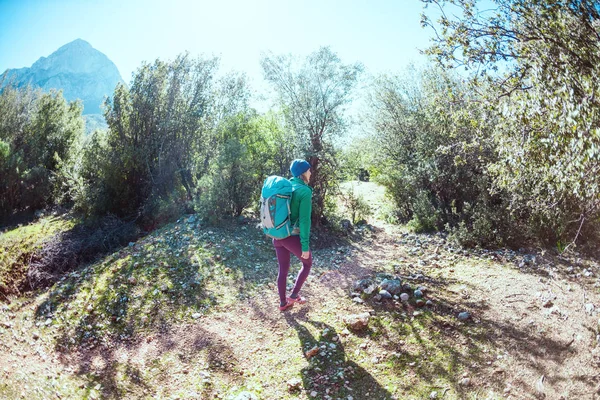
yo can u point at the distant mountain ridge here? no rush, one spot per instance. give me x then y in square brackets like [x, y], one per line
[81, 71]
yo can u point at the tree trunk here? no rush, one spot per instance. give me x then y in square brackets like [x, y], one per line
[318, 200]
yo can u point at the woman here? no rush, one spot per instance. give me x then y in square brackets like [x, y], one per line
[299, 243]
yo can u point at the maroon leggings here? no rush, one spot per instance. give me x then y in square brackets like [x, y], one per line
[283, 248]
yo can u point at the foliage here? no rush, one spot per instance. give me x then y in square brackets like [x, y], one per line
[314, 96]
[248, 148]
[359, 160]
[356, 205]
[434, 138]
[545, 57]
[38, 136]
[158, 141]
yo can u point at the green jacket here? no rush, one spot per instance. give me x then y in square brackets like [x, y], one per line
[301, 210]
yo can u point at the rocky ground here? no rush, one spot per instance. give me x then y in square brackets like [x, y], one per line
[191, 312]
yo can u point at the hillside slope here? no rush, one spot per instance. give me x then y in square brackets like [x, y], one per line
[191, 312]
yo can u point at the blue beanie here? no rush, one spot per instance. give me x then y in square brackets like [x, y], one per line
[298, 167]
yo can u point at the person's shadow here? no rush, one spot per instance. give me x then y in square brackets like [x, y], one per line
[330, 372]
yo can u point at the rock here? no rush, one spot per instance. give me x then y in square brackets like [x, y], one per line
[433, 395]
[294, 384]
[312, 352]
[192, 219]
[404, 296]
[358, 300]
[547, 304]
[465, 382]
[463, 316]
[346, 226]
[418, 294]
[196, 315]
[377, 297]
[314, 394]
[429, 303]
[589, 308]
[385, 294]
[420, 303]
[362, 284]
[132, 280]
[246, 396]
[393, 286]
[370, 289]
[357, 322]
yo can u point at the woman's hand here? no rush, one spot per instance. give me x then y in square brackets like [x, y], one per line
[305, 254]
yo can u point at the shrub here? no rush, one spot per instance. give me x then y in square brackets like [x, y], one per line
[356, 205]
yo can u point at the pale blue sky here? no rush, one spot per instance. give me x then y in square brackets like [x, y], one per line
[384, 35]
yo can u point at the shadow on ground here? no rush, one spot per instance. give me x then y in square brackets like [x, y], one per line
[330, 371]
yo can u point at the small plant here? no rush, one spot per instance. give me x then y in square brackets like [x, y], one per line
[357, 206]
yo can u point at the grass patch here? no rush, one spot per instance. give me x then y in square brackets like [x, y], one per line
[176, 274]
[18, 246]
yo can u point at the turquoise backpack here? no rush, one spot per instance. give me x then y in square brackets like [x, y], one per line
[275, 199]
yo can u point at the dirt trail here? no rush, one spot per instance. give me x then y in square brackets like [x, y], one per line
[532, 334]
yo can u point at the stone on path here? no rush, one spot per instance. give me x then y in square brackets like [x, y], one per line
[589, 308]
[246, 396]
[294, 384]
[357, 322]
[362, 284]
[393, 286]
[463, 316]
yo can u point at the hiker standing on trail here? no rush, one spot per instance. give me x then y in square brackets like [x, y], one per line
[299, 242]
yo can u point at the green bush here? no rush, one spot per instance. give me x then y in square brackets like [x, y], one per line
[38, 136]
[356, 206]
[537, 66]
[436, 147]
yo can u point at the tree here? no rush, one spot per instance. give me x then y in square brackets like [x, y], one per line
[164, 134]
[38, 133]
[543, 57]
[314, 96]
[434, 149]
[157, 130]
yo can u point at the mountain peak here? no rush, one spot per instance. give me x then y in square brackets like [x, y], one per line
[77, 43]
[81, 71]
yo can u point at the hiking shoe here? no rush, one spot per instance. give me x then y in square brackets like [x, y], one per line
[299, 300]
[289, 304]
